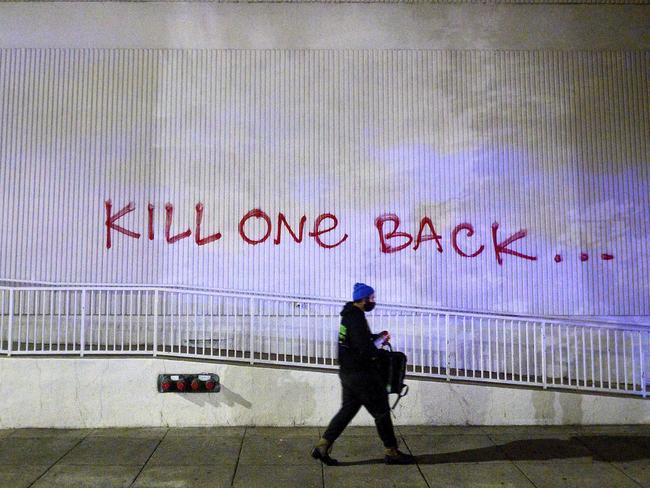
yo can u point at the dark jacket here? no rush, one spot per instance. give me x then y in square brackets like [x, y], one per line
[357, 352]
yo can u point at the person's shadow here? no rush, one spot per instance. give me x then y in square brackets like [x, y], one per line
[606, 448]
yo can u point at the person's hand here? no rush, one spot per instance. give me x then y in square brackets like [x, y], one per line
[381, 339]
[385, 335]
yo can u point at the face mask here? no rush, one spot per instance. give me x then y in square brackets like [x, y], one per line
[369, 306]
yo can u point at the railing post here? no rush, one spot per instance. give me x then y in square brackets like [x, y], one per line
[83, 322]
[250, 331]
[644, 392]
[10, 338]
[544, 355]
[156, 302]
[447, 349]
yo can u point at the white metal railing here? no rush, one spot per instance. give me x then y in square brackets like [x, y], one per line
[141, 320]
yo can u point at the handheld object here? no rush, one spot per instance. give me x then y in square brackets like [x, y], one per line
[383, 338]
[393, 369]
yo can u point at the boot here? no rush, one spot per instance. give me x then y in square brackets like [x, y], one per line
[322, 452]
[395, 456]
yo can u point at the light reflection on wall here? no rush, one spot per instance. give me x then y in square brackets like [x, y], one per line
[546, 143]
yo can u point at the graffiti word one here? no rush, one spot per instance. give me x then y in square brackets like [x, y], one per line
[323, 224]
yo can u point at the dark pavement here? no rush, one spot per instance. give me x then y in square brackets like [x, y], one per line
[509, 456]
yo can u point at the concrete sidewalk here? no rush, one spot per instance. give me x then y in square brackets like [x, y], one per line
[607, 456]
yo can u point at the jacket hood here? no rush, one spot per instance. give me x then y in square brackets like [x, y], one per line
[350, 309]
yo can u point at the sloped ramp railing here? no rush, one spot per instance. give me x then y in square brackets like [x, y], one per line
[256, 328]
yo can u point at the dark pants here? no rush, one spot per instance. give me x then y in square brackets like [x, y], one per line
[363, 389]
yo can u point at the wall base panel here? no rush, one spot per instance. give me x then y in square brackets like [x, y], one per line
[118, 392]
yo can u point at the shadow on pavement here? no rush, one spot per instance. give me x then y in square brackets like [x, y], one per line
[361, 463]
[599, 448]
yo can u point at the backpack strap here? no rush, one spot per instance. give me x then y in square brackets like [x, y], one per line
[400, 395]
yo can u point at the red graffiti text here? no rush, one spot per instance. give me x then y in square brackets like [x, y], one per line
[392, 240]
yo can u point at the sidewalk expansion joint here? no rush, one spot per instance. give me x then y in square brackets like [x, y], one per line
[417, 465]
[150, 456]
[59, 459]
[241, 446]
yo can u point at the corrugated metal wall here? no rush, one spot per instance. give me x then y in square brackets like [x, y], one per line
[549, 141]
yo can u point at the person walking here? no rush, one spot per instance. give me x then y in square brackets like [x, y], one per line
[361, 381]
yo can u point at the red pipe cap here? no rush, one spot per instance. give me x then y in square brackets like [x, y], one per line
[195, 385]
[180, 385]
[166, 385]
[210, 385]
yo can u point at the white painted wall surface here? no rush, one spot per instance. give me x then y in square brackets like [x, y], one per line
[532, 116]
[552, 143]
[122, 393]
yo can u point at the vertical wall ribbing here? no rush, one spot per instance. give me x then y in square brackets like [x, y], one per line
[553, 142]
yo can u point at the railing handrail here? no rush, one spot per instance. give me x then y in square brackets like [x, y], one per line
[44, 286]
[259, 327]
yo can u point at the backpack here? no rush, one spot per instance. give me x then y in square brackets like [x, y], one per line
[393, 370]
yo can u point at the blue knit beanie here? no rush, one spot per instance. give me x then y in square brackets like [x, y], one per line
[361, 290]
